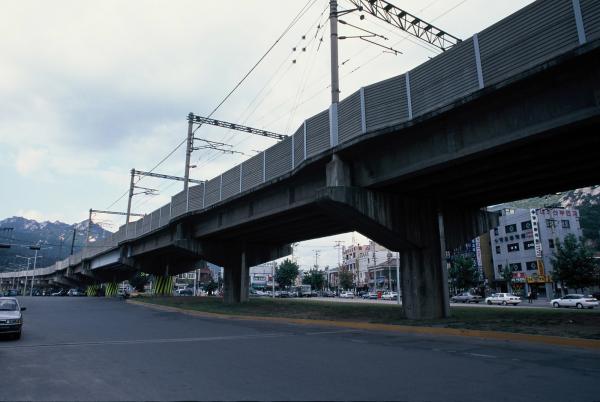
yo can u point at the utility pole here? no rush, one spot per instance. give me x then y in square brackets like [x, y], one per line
[188, 149]
[398, 276]
[36, 248]
[130, 197]
[87, 232]
[73, 240]
[333, 29]
[317, 253]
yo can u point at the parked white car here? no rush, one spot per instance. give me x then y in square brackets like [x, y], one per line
[575, 300]
[347, 295]
[503, 298]
[389, 296]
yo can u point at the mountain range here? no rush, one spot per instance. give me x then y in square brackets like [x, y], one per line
[54, 239]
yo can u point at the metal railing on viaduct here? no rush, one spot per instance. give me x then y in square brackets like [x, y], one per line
[540, 32]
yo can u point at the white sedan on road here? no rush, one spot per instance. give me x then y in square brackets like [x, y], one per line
[575, 300]
[347, 295]
[503, 298]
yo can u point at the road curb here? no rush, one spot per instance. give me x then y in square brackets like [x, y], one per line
[494, 335]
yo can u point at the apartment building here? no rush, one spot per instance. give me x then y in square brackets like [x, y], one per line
[525, 241]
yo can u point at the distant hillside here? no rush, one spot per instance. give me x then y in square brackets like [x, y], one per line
[54, 239]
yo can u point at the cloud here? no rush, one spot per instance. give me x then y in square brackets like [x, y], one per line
[30, 161]
[39, 215]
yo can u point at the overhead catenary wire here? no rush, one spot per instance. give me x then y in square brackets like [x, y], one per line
[302, 11]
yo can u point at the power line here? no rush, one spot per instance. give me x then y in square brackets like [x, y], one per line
[302, 11]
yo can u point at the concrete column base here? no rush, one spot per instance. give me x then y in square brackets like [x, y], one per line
[236, 279]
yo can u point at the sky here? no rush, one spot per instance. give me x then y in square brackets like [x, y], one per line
[90, 90]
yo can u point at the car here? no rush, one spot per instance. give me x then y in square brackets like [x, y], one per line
[466, 297]
[328, 293]
[370, 295]
[575, 300]
[11, 319]
[503, 299]
[389, 296]
[184, 292]
[347, 295]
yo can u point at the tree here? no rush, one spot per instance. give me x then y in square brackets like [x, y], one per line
[590, 222]
[463, 273]
[139, 281]
[286, 273]
[507, 275]
[346, 278]
[314, 278]
[210, 287]
[573, 263]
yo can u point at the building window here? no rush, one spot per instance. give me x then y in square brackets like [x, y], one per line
[551, 243]
[565, 224]
[550, 223]
[500, 268]
[512, 247]
[516, 266]
[531, 265]
[510, 228]
[526, 225]
[497, 249]
[512, 237]
[528, 245]
[502, 240]
[496, 231]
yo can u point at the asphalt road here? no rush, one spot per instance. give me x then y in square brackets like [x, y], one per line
[103, 349]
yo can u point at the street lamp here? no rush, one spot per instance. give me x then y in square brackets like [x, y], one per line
[36, 248]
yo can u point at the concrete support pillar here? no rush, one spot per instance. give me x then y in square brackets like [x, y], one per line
[236, 279]
[422, 271]
[337, 173]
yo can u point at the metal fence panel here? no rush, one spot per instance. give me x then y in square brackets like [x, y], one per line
[386, 102]
[146, 224]
[299, 146]
[178, 204]
[317, 133]
[231, 182]
[349, 118]
[130, 230]
[278, 159]
[155, 219]
[195, 197]
[444, 78]
[590, 10]
[139, 228]
[252, 172]
[212, 191]
[120, 235]
[528, 37]
[165, 215]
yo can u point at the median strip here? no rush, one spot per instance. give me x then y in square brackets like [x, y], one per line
[370, 326]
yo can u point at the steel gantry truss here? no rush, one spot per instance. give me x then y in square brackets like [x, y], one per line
[233, 126]
[217, 146]
[407, 22]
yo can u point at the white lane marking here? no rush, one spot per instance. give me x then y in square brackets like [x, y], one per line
[482, 355]
[148, 341]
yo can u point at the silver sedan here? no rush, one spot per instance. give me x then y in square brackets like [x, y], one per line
[11, 319]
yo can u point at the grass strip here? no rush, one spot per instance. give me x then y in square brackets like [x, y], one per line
[564, 323]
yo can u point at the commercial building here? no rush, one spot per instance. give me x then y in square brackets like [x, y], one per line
[525, 240]
[261, 276]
